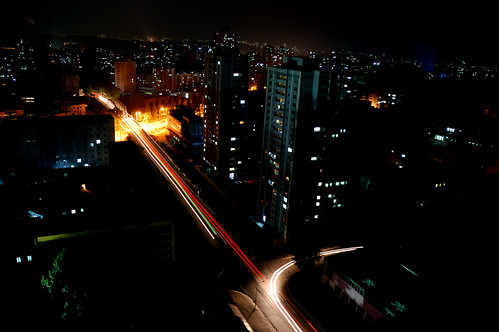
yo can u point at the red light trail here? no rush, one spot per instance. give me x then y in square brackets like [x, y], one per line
[204, 216]
[210, 224]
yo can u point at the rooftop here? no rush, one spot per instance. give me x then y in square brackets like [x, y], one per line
[382, 280]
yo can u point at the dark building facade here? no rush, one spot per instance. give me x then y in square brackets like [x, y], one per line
[225, 114]
[294, 180]
[56, 142]
[186, 129]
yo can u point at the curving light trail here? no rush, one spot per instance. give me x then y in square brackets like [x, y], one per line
[276, 295]
[210, 224]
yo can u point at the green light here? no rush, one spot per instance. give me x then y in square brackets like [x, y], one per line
[368, 282]
[201, 214]
[398, 306]
[405, 267]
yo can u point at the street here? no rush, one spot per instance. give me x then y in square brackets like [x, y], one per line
[265, 283]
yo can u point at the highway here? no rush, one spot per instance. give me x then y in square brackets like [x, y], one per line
[282, 314]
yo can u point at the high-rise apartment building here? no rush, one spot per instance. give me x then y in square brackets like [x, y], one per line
[294, 172]
[125, 76]
[225, 113]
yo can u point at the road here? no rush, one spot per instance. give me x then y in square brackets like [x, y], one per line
[266, 288]
[272, 295]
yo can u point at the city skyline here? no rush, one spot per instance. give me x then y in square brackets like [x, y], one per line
[163, 166]
[418, 30]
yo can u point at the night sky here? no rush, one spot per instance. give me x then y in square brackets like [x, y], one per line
[423, 29]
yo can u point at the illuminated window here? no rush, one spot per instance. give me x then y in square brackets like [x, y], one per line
[97, 141]
[317, 129]
[18, 259]
[29, 258]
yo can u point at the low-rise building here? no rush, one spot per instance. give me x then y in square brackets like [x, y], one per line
[56, 142]
[380, 286]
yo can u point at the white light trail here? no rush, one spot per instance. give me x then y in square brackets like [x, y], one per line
[275, 295]
[133, 127]
[337, 251]
[206, 219]
[130, 124]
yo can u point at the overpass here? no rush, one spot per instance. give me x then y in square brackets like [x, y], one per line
[289, 317]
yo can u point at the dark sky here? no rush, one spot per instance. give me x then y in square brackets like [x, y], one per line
[423, 28]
